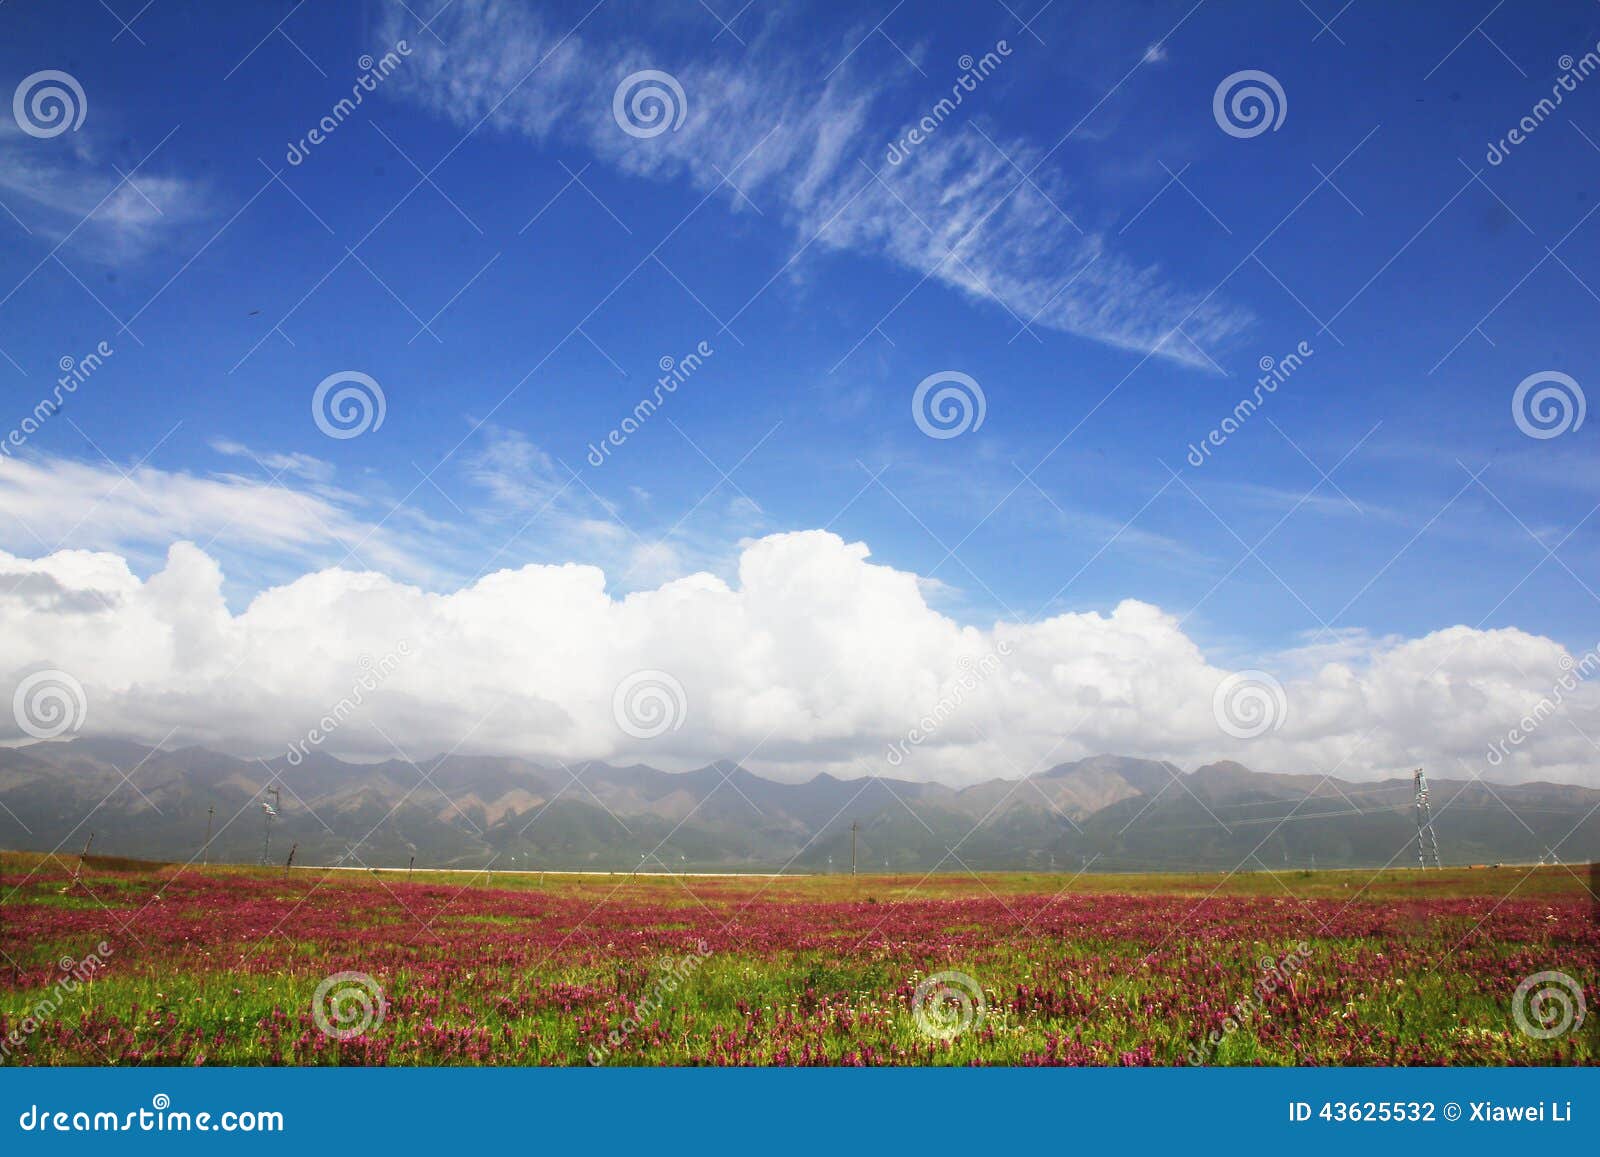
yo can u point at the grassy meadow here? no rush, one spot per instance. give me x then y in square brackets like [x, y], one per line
[121, 962]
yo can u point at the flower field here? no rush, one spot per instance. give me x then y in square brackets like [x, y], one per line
[123, 963]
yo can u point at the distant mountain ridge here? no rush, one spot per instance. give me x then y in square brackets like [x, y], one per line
[1106, 812]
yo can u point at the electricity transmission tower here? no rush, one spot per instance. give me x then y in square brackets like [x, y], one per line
[1427, 841]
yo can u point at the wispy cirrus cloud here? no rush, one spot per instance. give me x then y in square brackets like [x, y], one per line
[271, 513]
[66, 192]
[48, 501]
[976, 211]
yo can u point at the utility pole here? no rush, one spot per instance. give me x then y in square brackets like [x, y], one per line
[1427, 841]
[205, 849]
[289, 863]
[854, 828]
[83, 856]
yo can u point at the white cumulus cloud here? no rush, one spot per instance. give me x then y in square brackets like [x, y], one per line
[813, 658]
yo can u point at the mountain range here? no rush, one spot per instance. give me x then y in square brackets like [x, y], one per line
[1110, 813]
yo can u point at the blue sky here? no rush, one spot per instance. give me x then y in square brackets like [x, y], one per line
[483, 238]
